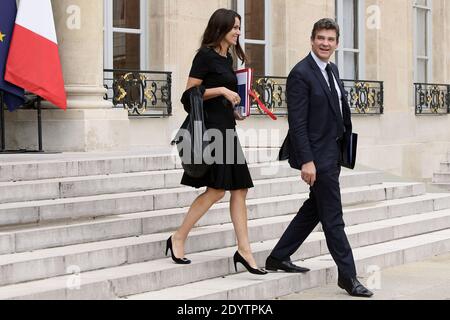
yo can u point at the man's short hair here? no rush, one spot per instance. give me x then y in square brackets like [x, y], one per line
[325, 24]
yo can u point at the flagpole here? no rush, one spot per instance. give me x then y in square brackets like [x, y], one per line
[2, 120]
[39, 114]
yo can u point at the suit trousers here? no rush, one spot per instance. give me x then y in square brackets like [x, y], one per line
[324, 205]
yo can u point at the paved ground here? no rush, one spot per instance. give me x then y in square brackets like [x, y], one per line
[427, 280]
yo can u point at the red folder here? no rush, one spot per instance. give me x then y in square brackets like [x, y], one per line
[247, 94]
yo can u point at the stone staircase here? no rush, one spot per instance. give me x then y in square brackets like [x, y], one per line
[95, 228]
[442, 178]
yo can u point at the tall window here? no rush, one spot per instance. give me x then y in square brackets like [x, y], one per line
[255, 36]
[422, 41]
[125, 34]
[350, 55]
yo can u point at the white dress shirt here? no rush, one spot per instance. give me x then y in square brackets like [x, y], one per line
[322, 65]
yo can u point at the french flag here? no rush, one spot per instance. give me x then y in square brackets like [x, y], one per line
[33, 60]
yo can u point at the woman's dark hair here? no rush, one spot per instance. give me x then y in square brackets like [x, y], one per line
[327, 24]
[221, 22]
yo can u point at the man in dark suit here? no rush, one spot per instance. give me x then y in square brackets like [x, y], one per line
[318, 115]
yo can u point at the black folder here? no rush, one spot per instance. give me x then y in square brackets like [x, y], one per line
[349, 144]
[284, 150]
[348, 153]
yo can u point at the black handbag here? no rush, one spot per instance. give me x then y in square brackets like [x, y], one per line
[192, 138]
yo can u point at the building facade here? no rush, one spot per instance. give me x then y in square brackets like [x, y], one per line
[394, 56]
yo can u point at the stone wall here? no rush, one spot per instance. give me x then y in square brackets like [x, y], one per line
[397, 141]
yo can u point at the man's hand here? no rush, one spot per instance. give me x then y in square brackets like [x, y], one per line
[309, 173]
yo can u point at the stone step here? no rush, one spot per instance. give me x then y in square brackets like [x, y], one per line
[113, 204]
[17, 240]
[74, 165]
[443, 186]
[142, 277]
[441, 177]
[369, 260]
[118, 183]
[445, 167]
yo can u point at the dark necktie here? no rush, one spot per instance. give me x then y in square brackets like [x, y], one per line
[335, 99]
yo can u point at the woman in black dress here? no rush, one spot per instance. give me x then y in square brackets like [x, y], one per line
[213, 68]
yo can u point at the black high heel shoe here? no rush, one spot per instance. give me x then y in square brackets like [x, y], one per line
[238, 258]
[175, 259]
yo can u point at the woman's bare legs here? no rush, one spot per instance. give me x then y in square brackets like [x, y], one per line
[198, 208]
[238, 209]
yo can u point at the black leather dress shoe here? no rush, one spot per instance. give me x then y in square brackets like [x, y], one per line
[354, 288]
[273, 264]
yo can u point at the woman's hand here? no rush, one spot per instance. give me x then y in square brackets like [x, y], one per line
[238, 116]
[231, 96]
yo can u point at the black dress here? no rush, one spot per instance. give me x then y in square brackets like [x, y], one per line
[230, 170]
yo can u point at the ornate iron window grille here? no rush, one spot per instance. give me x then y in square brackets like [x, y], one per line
[364, 97]
[272, 93]
[432, 99]
[142, 93]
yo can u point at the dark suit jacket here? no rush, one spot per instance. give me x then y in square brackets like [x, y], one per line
[312, 119]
